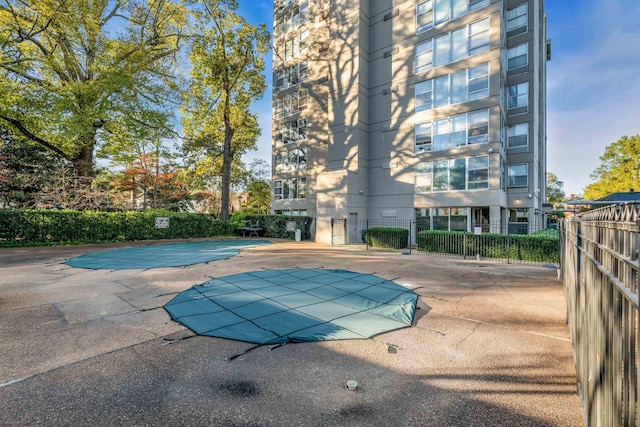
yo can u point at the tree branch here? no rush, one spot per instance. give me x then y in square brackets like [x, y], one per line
[23, 130]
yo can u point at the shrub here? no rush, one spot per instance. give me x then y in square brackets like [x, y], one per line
[539, 248]
[53, 227]
[388, 238]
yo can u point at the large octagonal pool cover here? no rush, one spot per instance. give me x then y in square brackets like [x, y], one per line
[295, 305]
[163, 255]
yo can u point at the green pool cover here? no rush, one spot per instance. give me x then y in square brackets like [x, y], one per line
[163, 255]
[295, 305]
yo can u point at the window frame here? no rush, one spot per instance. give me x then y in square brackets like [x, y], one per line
[469, 139]
[424, 27]
[431, 86]
[430, 177]
[446, 45]
[515, 135]
[517, 96]
[513, 16]
[512, 182]
[513, 54]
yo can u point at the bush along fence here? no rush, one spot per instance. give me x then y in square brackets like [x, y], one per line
[411, 236]
[53, 227]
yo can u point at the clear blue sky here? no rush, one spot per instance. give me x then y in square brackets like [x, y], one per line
[593, 83]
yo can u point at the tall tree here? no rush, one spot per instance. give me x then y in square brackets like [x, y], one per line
[74, 74]
[555, 193]
[227, 63]
[619, 169]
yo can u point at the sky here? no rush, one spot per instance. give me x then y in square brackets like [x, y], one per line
[593, 83]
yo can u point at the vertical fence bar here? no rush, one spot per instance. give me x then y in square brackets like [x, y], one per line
[600, 276]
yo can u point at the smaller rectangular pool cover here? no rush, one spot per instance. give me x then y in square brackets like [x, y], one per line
[294, 305]
[163, 255]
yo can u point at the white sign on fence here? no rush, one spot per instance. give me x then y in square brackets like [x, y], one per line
[162, 222]
[477, 230]
[291, 226]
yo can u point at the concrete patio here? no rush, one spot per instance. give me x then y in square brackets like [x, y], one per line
[489, 347]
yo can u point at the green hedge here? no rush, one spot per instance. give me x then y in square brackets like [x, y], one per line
[54, 227]
[540, 248]
[388, 238]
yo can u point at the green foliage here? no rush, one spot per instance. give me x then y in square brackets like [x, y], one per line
[259, 201]
[78, 74]
[388, 238]
[53, 227]
[543, 247]
[238, 219]
[619, 170]
[226, 55]
[554, 192]
[57, 227]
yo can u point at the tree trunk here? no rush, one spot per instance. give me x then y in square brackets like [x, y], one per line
[83, 161]
[226, 173]
[226, 159]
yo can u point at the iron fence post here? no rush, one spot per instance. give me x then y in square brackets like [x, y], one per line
[508, 242]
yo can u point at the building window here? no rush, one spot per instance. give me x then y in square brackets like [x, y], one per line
[446, 219]
[424, 16]
[295, 46]
[293, 18]
[436, 12]
[518, 175]
[302, 188]
[518, 135]
[293, 131]
[517, 56]
[277, 190]
[478, 37]
[478, 173]
[452, 175]
[292, 160]
[450, 47]
[465, 85]
[424, 56]
[423, 137]
[424, 177]
[518, 95]
[290, 76]
[292, 103]
[292, 212]
[454, 131]
[424, 95]
[292, 188]
[517, 20]
[478, 127]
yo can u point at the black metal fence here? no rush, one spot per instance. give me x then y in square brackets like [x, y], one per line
[599, 267]
[508, 242]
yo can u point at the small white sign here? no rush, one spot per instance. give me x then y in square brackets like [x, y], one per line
[477, 230]
[162, 222]
[291, 226]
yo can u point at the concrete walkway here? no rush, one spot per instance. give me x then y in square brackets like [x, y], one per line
[489, 347]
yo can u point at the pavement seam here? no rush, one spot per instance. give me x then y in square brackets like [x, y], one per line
[503, 327]
[86, 359]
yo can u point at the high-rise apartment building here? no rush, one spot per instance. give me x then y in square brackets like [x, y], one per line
[425, 109]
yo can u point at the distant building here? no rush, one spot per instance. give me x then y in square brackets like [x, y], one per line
[433, 110]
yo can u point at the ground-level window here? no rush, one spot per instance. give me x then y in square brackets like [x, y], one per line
[447, 219]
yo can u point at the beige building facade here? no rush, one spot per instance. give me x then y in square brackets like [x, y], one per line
[426, 110]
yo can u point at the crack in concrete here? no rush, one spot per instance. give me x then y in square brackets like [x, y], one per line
[468, 335]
